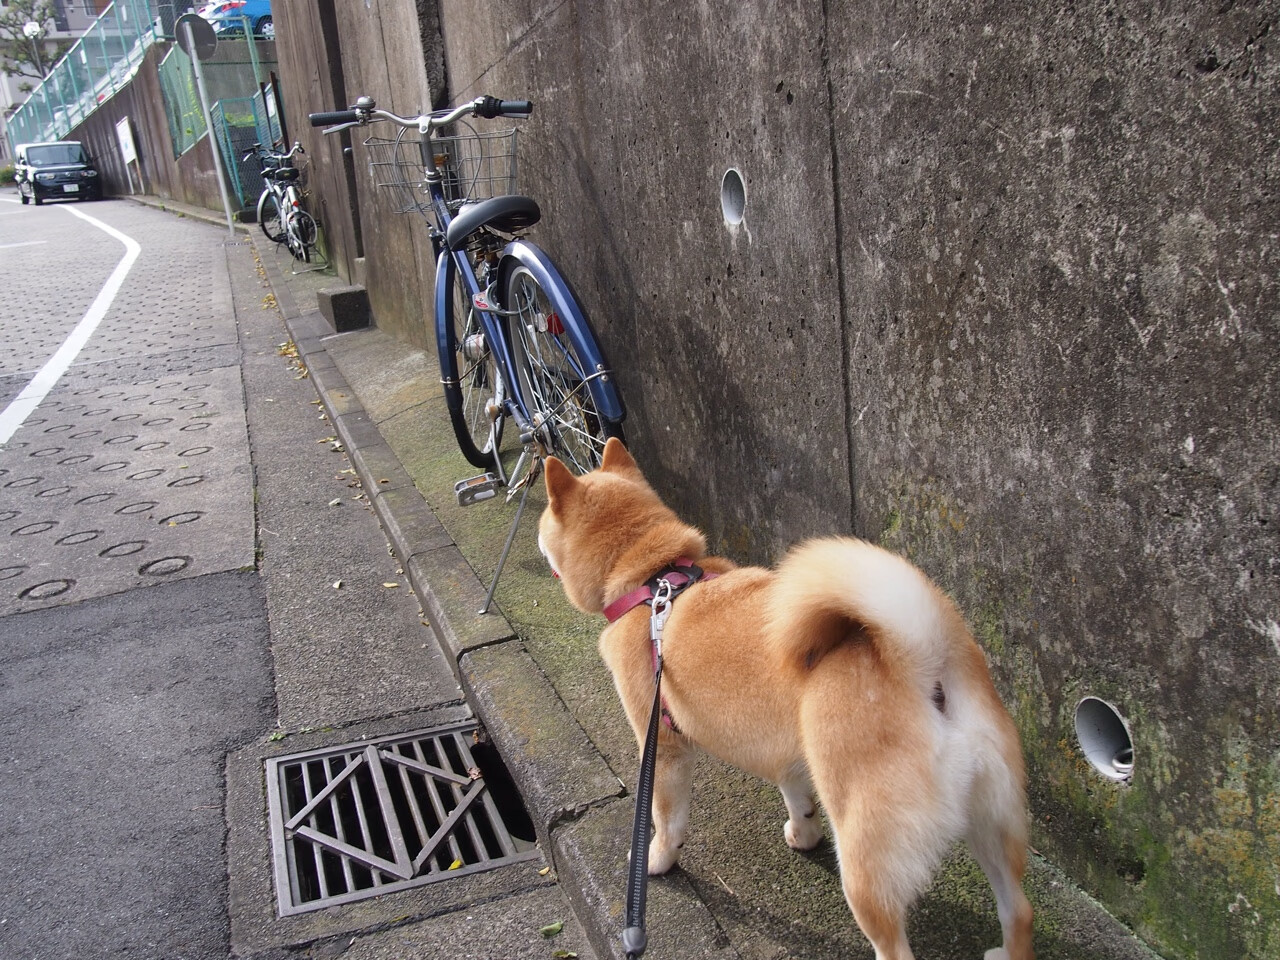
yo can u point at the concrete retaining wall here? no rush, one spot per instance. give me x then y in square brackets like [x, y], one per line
[330, 53]
[1003, 298]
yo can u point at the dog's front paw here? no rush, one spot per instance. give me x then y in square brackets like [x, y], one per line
[662, 859]
[804, 834]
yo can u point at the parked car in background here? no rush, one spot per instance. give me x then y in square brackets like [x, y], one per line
[228, 17]
[56, 170]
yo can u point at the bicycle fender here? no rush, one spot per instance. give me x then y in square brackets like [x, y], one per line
[262, 202]
[525, 254]
[442, 299]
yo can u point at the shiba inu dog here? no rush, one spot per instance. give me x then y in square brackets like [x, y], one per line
[843, 672]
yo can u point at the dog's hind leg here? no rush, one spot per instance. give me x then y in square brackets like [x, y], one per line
[803, 828]
[1002, 855]
[672, 789]
[884, 925]
[869, 761]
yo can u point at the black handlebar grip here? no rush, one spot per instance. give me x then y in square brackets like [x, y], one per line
[333, 117]
[515, 108]
[490, 107]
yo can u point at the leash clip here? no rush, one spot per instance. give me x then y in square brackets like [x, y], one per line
[658, 619]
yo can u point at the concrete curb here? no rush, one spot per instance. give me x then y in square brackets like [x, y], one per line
[578, 805]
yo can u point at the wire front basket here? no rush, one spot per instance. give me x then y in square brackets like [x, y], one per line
[473, 166]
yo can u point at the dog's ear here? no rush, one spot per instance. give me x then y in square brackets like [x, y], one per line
[561, 484]
[616, 458]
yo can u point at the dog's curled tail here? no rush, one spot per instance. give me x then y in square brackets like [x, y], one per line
[835, 590]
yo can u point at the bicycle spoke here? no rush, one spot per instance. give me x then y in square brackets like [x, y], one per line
[558, 391]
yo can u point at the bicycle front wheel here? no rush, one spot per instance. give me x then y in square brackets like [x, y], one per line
[553, 378]
[473, 389]
[269, 218]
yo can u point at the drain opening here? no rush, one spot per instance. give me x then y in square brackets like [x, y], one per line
[366, 819]
[733, 197]
[1104, 738]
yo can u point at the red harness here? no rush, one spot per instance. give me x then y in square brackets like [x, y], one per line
[680, 575]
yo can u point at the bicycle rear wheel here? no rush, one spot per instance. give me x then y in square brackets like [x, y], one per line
[473, 390]
[552, 376]
[269, 218]
[304, 235]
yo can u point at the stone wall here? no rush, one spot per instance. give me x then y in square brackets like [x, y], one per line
[1002, 297]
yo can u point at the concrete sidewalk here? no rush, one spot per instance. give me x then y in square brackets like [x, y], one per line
[531, 673]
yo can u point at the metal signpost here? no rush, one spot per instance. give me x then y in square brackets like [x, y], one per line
[196, 38]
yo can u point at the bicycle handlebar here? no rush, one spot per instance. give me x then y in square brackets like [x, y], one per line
[333, 116]
[364, 110]
[266, 154]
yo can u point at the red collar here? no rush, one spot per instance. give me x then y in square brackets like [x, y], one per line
[681, 574]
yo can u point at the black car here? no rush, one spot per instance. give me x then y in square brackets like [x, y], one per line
[60, 170]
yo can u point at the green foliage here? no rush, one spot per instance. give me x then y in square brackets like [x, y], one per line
[23, 56]
[6, 174]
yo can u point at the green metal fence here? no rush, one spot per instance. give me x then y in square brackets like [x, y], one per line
[235, 72]
[239, 123]
[109, 54]
[181, 101]
[97, 65]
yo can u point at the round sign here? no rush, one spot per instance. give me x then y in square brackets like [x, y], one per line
[193, 29]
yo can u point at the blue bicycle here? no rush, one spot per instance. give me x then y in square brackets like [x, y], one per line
[513, 340]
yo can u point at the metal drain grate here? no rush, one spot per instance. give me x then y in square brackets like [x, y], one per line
[370, 818]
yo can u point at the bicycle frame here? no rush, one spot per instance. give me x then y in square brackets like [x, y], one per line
[453, 267]
[287, 198]
[558, 340]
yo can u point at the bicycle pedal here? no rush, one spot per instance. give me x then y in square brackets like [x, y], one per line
[474, 489]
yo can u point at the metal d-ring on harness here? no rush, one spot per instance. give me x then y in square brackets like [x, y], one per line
[659, 593]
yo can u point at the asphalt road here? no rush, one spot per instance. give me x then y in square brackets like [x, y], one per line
[191, 579]
[134, 640]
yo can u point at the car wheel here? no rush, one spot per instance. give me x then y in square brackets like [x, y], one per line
[37, 198]
[267, 28]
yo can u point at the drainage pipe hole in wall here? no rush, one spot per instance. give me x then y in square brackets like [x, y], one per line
[733, 197]
[1104, 738]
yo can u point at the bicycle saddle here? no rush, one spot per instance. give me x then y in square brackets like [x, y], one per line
[504, 214]
[285, 174]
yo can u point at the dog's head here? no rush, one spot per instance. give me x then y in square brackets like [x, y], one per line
[591, 521]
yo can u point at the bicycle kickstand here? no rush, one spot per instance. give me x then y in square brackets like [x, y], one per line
[535, 467]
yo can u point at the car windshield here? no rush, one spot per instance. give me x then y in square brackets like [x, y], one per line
[55, 153]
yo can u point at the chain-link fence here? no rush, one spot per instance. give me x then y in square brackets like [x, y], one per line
[239, 123]
[237, 70]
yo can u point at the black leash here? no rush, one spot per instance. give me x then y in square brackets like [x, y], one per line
[634, 940]
[633, 937]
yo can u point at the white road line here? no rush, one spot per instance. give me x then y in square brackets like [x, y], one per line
[25, 243]
[13, 416]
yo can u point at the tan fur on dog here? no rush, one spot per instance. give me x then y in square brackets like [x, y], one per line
[844, 670]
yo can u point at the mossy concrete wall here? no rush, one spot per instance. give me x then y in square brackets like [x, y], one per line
[1003, 298]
